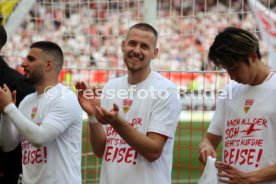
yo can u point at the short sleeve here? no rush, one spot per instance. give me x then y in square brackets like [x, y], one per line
[165, 113]
[217, 121]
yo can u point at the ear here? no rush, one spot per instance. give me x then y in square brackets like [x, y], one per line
[49, 65]
[253, 57]
[155, 53]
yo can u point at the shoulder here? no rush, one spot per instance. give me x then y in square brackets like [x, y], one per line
[7, 73]
[28, 99]
[160, 82]
[62, 97]
[272, 79]
[232, 89]
[3, 64]
[63, 92]
[113, 83]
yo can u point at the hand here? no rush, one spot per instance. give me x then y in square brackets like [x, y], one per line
[105, 117]
[206, 149]
[88, 98]
[6, 97]
[230, 174]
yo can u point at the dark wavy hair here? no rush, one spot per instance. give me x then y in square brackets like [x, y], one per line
[231, 46]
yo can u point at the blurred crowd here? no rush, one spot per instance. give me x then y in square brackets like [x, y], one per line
[90, 32]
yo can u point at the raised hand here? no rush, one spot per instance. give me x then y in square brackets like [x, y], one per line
[107, 117]
[88, 98]
[206, 149]
[6, 97]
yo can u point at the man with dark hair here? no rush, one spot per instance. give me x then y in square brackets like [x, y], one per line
[132, 128]
[246, 122]
[48, 123]
[10, 162]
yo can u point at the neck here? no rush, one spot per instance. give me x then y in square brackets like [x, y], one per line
[136, 77]
[262, 75]
[42, 88]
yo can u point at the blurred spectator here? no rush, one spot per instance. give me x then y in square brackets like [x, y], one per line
[90, 31]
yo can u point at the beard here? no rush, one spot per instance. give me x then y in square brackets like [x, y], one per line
[133, 69]
[137, 67]
[33, 78]
[132, 64]
[31, 81]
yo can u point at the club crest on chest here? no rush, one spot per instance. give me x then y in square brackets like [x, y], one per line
[247, 105]
[34, 111]
[127, 104]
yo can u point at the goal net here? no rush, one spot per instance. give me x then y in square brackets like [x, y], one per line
[90, 33]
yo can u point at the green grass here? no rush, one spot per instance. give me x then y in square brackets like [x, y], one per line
[186, 167]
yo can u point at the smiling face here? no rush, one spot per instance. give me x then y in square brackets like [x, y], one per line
[138, 50]
[33, 66]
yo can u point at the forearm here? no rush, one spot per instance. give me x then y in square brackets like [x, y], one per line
[208, 147]
[97, 139]
[263, 175]
[209, 143]
[146, 146]
[36, 135]
[214, 140]
[9, 136]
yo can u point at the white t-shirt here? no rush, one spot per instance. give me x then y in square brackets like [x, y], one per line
[60, 160]
[247, 123]
[121, 164]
